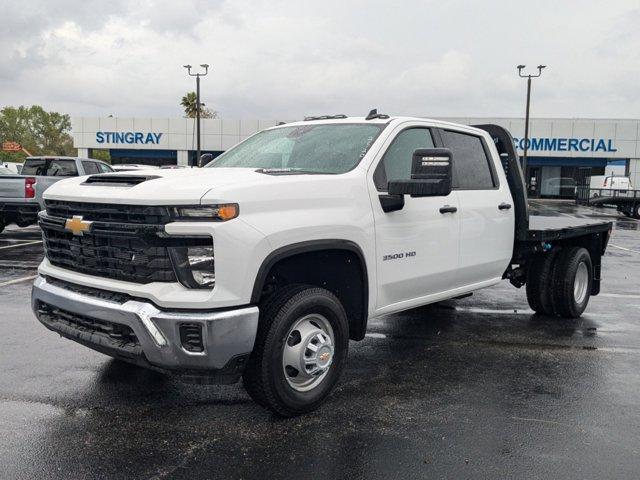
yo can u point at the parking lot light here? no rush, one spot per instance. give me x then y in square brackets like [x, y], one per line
[198, 105]
[526, 121]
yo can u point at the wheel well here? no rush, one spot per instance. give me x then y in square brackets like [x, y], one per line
[338, 268]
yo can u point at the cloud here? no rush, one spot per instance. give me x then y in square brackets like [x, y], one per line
[287, 59]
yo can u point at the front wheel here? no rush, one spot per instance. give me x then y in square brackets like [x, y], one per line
[636, 211]
[300, 350]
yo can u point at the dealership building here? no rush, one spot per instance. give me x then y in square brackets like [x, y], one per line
[562, 152]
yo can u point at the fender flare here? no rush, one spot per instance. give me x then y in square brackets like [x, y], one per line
[313, 246]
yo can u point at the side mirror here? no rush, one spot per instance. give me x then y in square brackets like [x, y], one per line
[430, 174]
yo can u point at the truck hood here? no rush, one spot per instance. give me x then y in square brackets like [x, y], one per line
[157, 187]
[183, 187]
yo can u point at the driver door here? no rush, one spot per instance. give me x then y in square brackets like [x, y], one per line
[416, 247]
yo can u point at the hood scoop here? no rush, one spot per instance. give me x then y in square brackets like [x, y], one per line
[118, 180]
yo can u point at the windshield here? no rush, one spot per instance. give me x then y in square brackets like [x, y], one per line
[333, 148]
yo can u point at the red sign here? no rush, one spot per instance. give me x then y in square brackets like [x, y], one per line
[11, 147]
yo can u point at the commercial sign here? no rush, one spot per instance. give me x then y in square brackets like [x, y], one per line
[542, 144]
[128, 137]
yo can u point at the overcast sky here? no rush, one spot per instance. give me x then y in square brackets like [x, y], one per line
[286, 59]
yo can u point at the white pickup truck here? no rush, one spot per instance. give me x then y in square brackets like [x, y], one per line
[264, 264]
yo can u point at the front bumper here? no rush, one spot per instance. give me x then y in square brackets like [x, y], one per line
[137, 331]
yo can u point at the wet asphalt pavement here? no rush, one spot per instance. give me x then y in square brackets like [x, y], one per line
[475, 388]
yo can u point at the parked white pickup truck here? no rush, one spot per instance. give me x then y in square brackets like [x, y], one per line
[264, 264]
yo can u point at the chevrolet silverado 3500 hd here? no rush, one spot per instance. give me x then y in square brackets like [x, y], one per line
[267, 262]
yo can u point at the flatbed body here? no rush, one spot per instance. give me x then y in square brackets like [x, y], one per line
[625, 201]
[545, 228]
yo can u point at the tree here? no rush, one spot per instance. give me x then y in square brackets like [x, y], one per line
[189, 104]
[101, 154]
[38, 131]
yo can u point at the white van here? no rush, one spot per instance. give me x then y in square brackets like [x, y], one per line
[607, 185]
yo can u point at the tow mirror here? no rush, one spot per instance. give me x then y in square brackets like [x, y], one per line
[430, 174]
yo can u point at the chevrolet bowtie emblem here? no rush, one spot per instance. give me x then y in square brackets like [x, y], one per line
[77, 225]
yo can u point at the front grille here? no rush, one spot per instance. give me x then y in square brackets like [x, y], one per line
[129, 259]
[115, 334]
[123, 244]
[102, 212]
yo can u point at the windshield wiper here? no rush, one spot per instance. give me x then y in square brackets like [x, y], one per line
[290, 171]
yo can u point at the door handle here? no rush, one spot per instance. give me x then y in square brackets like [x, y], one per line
[448, 209]
[504, 206]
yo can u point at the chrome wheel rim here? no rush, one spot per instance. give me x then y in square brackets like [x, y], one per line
[308, 352]
[581, 283]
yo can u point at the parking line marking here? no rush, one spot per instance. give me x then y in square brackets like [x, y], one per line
[619, 295]
[623, 248]
[375, 335]
[19, 280]
[21, 244]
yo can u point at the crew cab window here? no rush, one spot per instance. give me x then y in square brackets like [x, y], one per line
[53, 167]
[90, 168]
[62, 168]
[35, 166]
[396, 163]
[471, 167]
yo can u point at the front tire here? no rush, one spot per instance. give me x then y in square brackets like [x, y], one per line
[636, 211]
[300, 350]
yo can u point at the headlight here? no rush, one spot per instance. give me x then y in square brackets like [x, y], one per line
[194, 265]
[216, 213]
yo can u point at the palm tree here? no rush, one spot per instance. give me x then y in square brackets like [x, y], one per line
[189, 104]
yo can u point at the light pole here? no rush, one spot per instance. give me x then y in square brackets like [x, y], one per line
[526, 120]
[197, 75]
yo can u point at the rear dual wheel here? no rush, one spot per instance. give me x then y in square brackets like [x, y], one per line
[560, 282]
[539, 285]
[300, 350]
